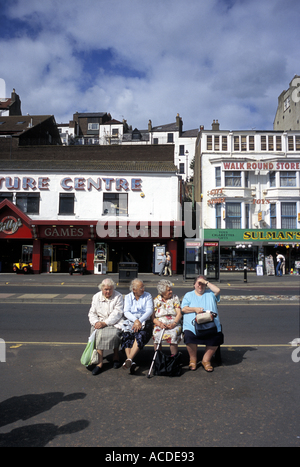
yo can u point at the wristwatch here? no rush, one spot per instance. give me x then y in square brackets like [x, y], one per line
[207, 283]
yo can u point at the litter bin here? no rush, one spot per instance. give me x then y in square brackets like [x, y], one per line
[128, 271]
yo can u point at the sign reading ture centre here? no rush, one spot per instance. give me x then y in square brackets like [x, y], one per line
[69, 183]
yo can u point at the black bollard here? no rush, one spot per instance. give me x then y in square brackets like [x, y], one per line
[245, 270]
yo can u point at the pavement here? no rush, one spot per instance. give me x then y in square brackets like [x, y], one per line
[228, 281]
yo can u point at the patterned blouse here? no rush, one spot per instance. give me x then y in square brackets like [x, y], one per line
[165, 311]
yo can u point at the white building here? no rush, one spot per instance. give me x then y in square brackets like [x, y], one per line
[68, 202]
[249, 186]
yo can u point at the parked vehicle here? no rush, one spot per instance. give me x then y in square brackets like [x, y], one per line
[76, 266]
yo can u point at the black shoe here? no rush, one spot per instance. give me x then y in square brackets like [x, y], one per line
[96, 371]
[116, 364]
[132, 368]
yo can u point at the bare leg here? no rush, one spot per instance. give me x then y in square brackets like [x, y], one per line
[100, 358]
[192, 350]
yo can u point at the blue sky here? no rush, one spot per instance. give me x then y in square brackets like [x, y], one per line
[139, 60]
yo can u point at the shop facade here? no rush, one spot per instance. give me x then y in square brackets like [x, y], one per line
[256, 247]
[249, 190]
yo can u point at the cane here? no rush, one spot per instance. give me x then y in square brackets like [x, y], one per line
[157, 348]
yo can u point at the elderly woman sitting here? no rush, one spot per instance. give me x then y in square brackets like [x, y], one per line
[167, 316]
[137, 328]
[106, 315]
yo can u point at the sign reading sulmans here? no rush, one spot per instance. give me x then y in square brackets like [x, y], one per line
[2, 351]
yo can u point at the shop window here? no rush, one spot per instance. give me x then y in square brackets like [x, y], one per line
[288, 216]
[233, 215]
[29, 202]
[115, 204]
[233, 178]
[287, 178]
[66, 203]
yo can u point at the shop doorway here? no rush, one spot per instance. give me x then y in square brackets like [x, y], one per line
[57, 256]
[138, 252]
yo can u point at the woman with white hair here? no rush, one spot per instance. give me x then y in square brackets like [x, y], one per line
[106, 316]
[137, 328]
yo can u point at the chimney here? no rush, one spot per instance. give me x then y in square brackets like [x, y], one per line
[149, 125]
[179, 123]
[215, 125]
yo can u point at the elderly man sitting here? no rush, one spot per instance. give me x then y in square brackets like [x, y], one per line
[137, 328]
[106, 315]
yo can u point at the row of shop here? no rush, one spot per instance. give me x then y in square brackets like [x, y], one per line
[53, 247]
[50, 247]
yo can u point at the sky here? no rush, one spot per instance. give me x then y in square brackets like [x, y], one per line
[151, 59]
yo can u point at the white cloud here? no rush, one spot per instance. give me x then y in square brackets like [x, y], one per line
[219, 59]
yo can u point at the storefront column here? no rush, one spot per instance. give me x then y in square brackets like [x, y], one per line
[37, 257]
[90, 256]
[172, 248]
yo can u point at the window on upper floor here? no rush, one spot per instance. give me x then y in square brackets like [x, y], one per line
[209, 143]
[29, 202]
[115, 204]
[273, 216]
[66, 203]
[272, 179]
[8, 196]
[218, 176]
[233, 215]
[233, 178]
[278, 143]
[218, 216]
[170, 138]
[181, 150]
[288, 179]
[288, 215]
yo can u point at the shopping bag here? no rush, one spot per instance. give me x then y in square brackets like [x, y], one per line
[88, 351]
[166, 365]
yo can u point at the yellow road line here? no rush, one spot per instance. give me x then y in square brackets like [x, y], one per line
[149, 345]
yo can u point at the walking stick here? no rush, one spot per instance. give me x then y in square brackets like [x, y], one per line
[157, 348]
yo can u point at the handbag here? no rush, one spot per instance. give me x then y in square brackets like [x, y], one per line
[88, 351]
[205, 326]
[166, 365]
